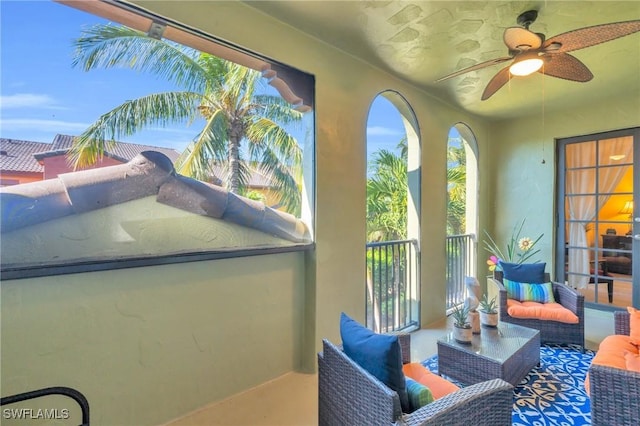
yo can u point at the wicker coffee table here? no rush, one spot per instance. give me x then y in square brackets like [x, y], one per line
[507, 351]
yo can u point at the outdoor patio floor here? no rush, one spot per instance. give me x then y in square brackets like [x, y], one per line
[292, 399]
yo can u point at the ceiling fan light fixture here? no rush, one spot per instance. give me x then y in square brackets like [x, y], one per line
[527, 63]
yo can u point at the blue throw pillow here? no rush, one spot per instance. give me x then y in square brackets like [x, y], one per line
[379, 354]
[524, 272]
[526, 292]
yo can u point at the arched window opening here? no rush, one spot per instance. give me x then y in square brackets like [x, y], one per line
[393, 203]
[462, 211]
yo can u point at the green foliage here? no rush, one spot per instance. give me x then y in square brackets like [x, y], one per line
[387, 197]
[518, 250]
[456, 187]
[460, 316]
[255, 195]
[221, 92]
[488, 306]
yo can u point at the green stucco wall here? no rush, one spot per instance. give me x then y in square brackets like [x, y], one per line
[146, 345]
[521, 186]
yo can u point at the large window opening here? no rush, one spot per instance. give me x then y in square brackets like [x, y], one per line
[145, 142]
[462, 212]
[393, 203]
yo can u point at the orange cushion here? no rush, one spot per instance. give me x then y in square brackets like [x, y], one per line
[438, 386]
[633, 361]
[634, 325]
[612, 349]
[541, 311]
[611, 353]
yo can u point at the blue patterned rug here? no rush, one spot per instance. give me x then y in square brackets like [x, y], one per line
[552, 394]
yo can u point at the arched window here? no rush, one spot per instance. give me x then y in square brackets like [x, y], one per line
[462, 211]
[393, 211]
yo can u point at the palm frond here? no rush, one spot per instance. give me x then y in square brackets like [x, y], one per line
[129, 118]
[110, 46]
[208, 147]
[286, 185]
[264, 133]
[276, 109]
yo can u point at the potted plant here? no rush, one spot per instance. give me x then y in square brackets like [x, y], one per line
[488, 311]
[462, 331]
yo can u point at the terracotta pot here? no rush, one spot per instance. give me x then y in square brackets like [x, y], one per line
[462, 334]
[474, 319]
[490, 320]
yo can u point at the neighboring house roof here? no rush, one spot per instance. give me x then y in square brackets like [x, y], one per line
[149, 173]
[121, 151]
[25, 156]
[17, 155]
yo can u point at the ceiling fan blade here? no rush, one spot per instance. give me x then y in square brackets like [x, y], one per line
[496, 83]
[475, 67]
[563, 65]
[590, 36]
[517, 38]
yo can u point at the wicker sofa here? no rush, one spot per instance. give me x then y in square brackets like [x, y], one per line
[349, 395]
[614, 391]
[550, 331]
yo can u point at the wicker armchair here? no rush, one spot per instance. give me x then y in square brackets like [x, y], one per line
[550, 331]
[348, 395]
[613, 391]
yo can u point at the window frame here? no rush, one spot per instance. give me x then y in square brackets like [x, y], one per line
[295, 86]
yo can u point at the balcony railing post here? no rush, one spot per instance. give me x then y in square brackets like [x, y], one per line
[392, 285]
[460, 250]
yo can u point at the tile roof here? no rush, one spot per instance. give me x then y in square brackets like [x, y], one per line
[122, 151]
[149, 173]
[17, 155]
[24, 156]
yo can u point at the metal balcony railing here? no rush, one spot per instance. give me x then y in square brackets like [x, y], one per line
[392, 285]
[460, 263]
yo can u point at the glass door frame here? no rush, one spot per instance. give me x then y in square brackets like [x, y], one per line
[561, 222]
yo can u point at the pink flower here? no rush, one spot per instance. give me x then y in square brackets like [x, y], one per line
[493, 263]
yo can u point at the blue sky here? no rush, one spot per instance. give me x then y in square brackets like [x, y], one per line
[41, 94]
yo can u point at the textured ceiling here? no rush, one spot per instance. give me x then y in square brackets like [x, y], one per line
[422, 41]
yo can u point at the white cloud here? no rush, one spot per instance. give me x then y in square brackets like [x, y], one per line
[28, 100]
[383, 131]
[57, 126]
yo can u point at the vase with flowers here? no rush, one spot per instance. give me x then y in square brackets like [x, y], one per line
[519, 248]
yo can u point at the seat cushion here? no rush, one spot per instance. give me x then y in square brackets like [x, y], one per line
[379, 354]
[612, 353]
[541, 311]
[438, 385]
[634, 325]
[632, 361]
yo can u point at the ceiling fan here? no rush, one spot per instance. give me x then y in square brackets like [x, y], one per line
[531, 52]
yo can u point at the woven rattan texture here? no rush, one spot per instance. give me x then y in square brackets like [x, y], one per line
[507, 352]
[550, 331]
[614, 391]
[348, 395]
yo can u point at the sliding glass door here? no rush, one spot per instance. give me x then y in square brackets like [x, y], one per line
[598, 235]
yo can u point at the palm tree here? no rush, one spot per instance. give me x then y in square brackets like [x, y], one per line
[456, 187]
[220, 92]
[387, 195]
